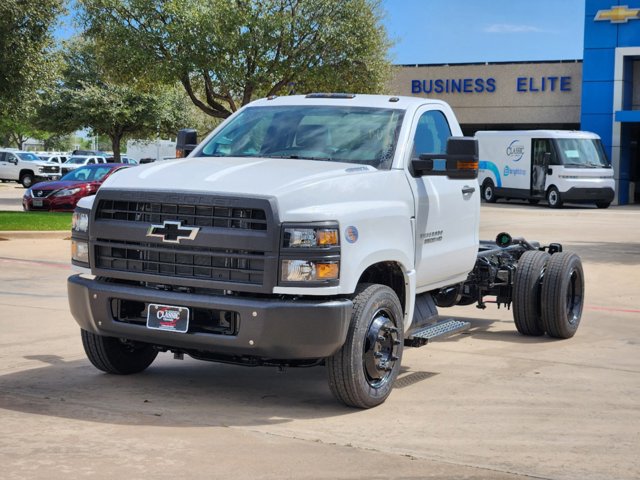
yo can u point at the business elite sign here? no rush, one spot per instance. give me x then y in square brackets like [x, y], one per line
[490, 85]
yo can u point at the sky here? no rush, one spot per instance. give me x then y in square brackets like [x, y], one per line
[472, 31]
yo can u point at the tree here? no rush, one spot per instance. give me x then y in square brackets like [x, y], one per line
[226, 52]
[26, 43]
[87, 98]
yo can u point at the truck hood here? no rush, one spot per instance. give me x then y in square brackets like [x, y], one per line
[300, 187]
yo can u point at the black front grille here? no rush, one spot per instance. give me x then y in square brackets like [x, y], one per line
[189, 215]
[50, 169]
[188, 262]
[41, 193]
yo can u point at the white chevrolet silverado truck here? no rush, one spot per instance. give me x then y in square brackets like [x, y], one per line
[323, 229]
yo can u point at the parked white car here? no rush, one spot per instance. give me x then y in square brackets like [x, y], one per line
[79, 160]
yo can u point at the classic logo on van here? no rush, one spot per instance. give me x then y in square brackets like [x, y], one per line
[515, 151]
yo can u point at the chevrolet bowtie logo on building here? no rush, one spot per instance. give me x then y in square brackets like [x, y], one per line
[172, 232]
[620, 14]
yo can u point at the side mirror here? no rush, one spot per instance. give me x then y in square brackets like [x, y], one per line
[13, 160]
[460, 161]
[187, 142]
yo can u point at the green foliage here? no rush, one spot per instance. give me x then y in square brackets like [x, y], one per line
[87, 98]
[19, 221]
[225, 53]
[26, 49]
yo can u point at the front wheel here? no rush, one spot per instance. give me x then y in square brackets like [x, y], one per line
[115, 355]
[553, 198]
[362, 373]
[26, 180]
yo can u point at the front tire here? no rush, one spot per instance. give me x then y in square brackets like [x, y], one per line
[117, 356]
[553, 198]
[562, 295]
[26, 180]
[526, 293]
[603, 204]
[362, 373]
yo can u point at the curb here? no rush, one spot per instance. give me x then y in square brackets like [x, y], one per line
[26, 234]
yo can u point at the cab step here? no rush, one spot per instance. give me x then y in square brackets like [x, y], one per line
[438, 330]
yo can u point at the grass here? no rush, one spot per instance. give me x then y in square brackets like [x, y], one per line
[35, 221]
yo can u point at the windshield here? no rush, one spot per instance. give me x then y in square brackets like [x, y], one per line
[337, 134]
[30, 157]
[87, 174]
[77, 160]
[582, 152]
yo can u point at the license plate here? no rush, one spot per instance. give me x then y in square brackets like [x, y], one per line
[37, 202]
[168, 317]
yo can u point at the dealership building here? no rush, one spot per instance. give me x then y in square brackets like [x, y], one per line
[600, 93]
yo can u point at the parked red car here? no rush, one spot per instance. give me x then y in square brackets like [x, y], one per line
[64, 194]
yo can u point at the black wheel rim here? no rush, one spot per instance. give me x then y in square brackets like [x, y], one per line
[574, 297]
[380, 352]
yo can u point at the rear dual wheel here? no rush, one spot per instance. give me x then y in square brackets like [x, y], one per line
[548, 294]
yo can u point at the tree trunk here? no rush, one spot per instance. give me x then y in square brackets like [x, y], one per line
[116, 138]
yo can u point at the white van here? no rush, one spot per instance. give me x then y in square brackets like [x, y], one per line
[556, 165]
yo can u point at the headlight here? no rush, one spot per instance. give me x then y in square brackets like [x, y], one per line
[80, 221]
[313, 237]
[309, 270]
[80, 251]
[67, 192]
[40, 169]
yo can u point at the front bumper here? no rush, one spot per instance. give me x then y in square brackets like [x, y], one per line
[268, 328]
[583, 195]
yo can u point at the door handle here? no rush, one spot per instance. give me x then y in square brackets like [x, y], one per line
[467, 190]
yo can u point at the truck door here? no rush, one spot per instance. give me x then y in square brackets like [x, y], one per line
[447, 210]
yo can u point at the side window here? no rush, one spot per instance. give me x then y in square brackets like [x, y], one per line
[431, 134]
[540, 147]
[91, 161]
[3, 156]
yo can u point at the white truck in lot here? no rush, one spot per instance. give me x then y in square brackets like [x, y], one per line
[22, 167]
[323, 229]
[553, 165]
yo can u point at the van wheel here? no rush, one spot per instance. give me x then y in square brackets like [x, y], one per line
[526, 292]
[362, 373]
[553, 198]
[603, 204]
[26, 180]
[489, 192]
[563, 295]
[115, 355]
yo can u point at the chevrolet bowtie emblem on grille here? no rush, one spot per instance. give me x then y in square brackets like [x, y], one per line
[172, 232]
[620, 14]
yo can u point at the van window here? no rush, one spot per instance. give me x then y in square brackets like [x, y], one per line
[541, 146]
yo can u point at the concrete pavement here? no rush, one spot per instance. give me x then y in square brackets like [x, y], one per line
[488, 404]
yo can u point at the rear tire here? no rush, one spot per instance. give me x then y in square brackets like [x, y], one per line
[489, 192]
[113, 355]
[362, 373]
[527, 286]
[603, 204]
[562, 295]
